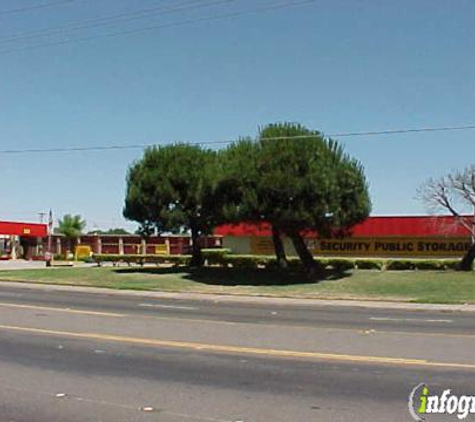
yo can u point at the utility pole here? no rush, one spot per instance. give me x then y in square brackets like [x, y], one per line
[42, 216]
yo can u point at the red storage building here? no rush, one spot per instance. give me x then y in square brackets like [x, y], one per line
[393, 236]
[22, 240]
[387, 236]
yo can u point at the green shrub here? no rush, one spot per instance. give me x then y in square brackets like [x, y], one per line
[423, 264]
[323, 262]
[86, 259]
[271, 264]
[369, 264]
[262, 260]
[341, 264]
[295, 263]
[215, 256]
[247, 261]
[215, 251]
[400, 265]
[429, 264]
[177, 260]
[451, 264]
[244, 261]
[100, 258]
[141, 259]
[224, 258]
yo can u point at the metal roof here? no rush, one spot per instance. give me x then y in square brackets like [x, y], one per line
[403, 226]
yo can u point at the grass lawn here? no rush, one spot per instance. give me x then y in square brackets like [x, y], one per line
[414, 286]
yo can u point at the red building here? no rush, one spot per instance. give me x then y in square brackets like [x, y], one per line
[30, 241]
[377, 236]
[22, 240]
[392, 236]
[129, 244]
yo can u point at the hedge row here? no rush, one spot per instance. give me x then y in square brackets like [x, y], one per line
[223, 258]
[115, 259]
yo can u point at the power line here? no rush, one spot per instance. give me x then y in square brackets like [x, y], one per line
[397, 131]
[35, 7]
[161, 26]
[224, 142]
[111, 20]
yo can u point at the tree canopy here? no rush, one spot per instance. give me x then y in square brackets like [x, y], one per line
[291, 177]
[172, 189]
[71, 226]
[295, 179]
[117, 230]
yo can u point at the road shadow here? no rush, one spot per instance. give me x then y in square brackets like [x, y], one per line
[241, 276]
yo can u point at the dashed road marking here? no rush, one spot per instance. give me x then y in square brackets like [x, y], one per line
[448, 321]
[156, 305]
[67, 310]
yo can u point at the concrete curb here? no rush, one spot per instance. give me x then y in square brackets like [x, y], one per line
[228, 298]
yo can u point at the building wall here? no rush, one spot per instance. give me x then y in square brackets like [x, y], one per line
[388, 236]
[134, 244]
[390, 247]
[14, 228]
[238, 245]
[22, 240]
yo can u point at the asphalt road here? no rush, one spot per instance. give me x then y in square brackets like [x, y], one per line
[68, 356]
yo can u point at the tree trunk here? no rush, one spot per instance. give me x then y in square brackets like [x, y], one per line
[467, 261]
[196, 256]
[279, 248]
[303, 252]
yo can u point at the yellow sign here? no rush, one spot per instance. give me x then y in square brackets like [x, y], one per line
[82, 251]
[162, 249]
[376, 246]
[26, 230]
[391, 246]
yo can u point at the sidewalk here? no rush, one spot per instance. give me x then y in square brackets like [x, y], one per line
[253, 300]
[21, 264]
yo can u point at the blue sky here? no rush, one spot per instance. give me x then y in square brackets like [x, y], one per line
[333, 65]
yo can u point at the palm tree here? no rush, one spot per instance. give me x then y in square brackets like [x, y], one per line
[71, 227]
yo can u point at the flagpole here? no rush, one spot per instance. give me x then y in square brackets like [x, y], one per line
[49, 256]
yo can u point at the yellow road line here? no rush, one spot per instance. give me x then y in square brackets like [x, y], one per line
[67, 310]
[239, 349]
